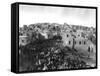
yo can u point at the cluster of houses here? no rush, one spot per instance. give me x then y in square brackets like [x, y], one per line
[70, 38]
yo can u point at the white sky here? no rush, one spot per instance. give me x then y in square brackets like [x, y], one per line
[29, 14]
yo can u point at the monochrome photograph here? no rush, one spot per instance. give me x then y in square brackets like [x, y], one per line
[56, 38]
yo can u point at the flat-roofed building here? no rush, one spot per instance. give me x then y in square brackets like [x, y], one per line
[67, 39]
[23, 40]
[79, 43]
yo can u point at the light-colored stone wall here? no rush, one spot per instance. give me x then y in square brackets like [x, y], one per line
[22, 40]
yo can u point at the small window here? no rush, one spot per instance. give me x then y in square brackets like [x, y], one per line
[23, 41]
[88, 49]
[67, 35]
[79, 42]
[69, 42]
[75, 42]
[84, 42]
[31, 29]
[78, 35]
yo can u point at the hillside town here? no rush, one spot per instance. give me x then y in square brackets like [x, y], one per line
[53, 46]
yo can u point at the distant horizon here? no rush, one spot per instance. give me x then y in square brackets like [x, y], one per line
[30, 14]
[58, 23]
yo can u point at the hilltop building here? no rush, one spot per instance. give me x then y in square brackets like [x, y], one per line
[79, 43]
[23, 40]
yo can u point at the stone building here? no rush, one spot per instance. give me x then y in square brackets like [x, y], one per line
[23, 40]
[79, 43]
[67, 39]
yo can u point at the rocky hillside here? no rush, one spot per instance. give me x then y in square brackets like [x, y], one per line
[45, 51]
